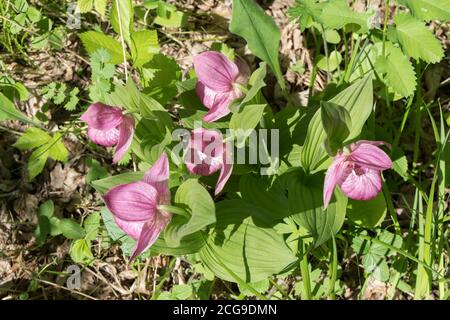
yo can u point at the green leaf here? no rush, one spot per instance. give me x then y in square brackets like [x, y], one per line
[398, 70]
[336, 122]
[193, 197]
[416, 40]
[368, 214]
[80, 251]
[85, 5]
[47, 209]
[32, 138]
[37, 161]
[306, 207]
[256, 190]
[96, 171]
[334, 60]
[91, 226]
[122, 16]
[100, 6]
[9, 112]
[245, 243]
[94, 40]
[430, 9]
[144, 44]
[182, 291]
[243, 122]
[337, 14]
[71, 230]
[257, 83]
[57, 149]
[307, 11]
[260, 31]
[168, 16]
[358, 101]
[103, 185]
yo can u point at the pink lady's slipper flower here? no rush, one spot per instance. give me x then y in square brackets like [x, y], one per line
[207, 154]
[135, 205]
[357, 171]
[108, 126]
[217, 79]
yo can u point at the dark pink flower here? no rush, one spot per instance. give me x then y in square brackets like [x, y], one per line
[357, 171]
[135, 205]
[108, 126]
[217, 76]
[207, 154]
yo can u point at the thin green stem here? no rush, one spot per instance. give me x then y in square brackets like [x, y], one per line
[304, 269]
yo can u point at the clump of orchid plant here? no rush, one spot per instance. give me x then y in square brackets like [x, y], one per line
[218, 82]
[108, 126]
[207, 154]
[135, 205]
[357, 169]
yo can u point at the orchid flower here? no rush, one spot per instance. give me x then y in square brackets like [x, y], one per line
[135, 205]
[357, 171]
[108, 126]
[217, 79]
[207, 154]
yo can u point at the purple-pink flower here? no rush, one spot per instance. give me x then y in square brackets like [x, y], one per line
[108, 126]
[207, 154]
[357, 171]
[217, 78]
[135, 205]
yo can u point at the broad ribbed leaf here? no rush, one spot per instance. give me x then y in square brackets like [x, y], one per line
[197, 201]
[245, 243]
[306, 207]
[256, 190]
[260, 31]
[368, 214]
[358, 100]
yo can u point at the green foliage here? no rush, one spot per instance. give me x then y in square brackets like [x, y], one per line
[94, 40]
[167, 14]
[199, 206]
[260, 31]
[416, 40]
[59, 94]
[44, 146]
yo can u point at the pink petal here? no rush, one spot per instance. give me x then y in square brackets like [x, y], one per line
[226, 170]
[158, 176]
[215, 70]
[334, 176]
[205, 152]
[102, 117]
[362, 184]
[106, 138]
[126, 131]
[368, 155]
[149, 234]
[220, 107]
[131, 228]
[135, 201]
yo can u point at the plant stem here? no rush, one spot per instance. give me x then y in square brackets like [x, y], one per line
[386, 18]
[304, 269]
[122, 40]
